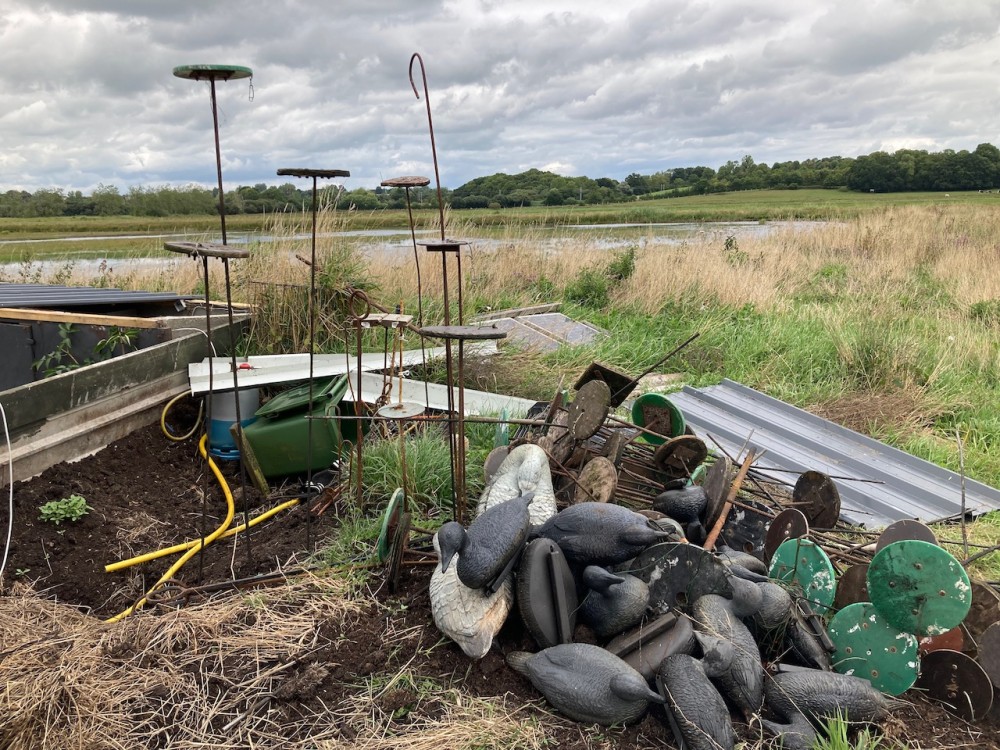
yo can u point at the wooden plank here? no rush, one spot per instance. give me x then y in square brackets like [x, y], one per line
[94, 319]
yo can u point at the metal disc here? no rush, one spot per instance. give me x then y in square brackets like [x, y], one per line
[680, 456]
[390, 519]
[597, 481]
[589, 409]
[989, 652]
[678, 574]
[493, 461]
[616, 446]
[852, 586]
[402, 410]
[905, 529]
[398, 550]
[866, 646]
[212, 72]
[957, 682]
[659, 415]
[919, 587]
[818, 498]
[985, 609]
[791, 523]
[953, 640]
[746, 527]
[717, 482]
[803, 561]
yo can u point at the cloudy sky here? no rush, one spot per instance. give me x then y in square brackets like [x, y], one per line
[576, 87]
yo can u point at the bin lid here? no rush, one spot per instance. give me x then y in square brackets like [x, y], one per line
[294, 399]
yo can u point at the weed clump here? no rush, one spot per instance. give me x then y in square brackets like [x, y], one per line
[592, 286]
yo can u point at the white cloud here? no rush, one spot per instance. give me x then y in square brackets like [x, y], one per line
[575, 86]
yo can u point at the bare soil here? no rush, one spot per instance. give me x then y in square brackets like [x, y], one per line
[147, 492]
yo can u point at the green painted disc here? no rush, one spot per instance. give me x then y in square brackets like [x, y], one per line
[802, 561]
[869, 647]
[919, 587]
[390, 519]
[212, 72]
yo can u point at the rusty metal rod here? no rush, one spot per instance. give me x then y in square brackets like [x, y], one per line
[730, 499]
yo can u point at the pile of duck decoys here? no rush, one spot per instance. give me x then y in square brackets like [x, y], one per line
[702, 586]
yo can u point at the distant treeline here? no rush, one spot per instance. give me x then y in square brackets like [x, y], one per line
[904, 170]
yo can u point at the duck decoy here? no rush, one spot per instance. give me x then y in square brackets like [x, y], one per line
[797, 734]
[775, 606]
[684, 504]
[734, 666]
[600, 533]
[747, 597]
[819, 695]
[525, 469]
[586, 683]
[742, 561]
[470, 617]
[614, 603]
[490, 542]
[697, 713]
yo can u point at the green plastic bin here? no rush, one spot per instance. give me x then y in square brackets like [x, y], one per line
[279, 438]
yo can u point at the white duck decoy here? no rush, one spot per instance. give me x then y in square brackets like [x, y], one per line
[470, 617]
[526, 469]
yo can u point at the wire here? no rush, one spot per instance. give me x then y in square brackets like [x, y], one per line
[10, 503]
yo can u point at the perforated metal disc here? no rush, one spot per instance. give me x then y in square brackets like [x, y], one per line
[989, 652]
[919, 587]
[791, 523]
[866, 646]
[597, 481]
[816, 495]
[905, 529]
[589, 409]
[746, 527]
[678, 574]
[680, 456]
[958, 682]
[803, 561]
[953, 640]
[852, 586]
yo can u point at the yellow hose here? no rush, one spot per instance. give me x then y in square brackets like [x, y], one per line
[200, 543]
[168, 407]
[121, 565]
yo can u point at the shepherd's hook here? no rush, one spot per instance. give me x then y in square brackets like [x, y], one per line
[430, 127]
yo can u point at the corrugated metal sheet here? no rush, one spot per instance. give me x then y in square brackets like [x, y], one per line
[797, 440]
[59, 297]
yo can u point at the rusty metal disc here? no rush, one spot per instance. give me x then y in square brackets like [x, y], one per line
[717, 483]
[958, 682]
[816, 495]
[597, 481]
[616, 446]
[905, 529]
[493, 461]
[852, 587]
[589, 409]
[678, 574]
[680, 456]
[989, 653]
[985, 610]
[398, 551]
[953, 640]
[791, 523]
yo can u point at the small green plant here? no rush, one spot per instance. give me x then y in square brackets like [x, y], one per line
[589, 288]
[60, 359]
[71, 508]
[622, 265]
[118, 339]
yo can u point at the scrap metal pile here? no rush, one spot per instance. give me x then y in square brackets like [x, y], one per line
[710, 587]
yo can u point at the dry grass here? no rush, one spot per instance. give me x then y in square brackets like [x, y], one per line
[192, 678]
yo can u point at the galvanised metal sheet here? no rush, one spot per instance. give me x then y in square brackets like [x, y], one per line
[54, 296]
[903, 485]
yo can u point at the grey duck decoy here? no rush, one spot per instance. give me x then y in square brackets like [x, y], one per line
[819, 694]
[697, 713]
[743, 563]
[600, 533]
[734, 666]
[614, 603]
[775, 606]
[684, 504]
[586, 683]
[797, 734]
[489, 543]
